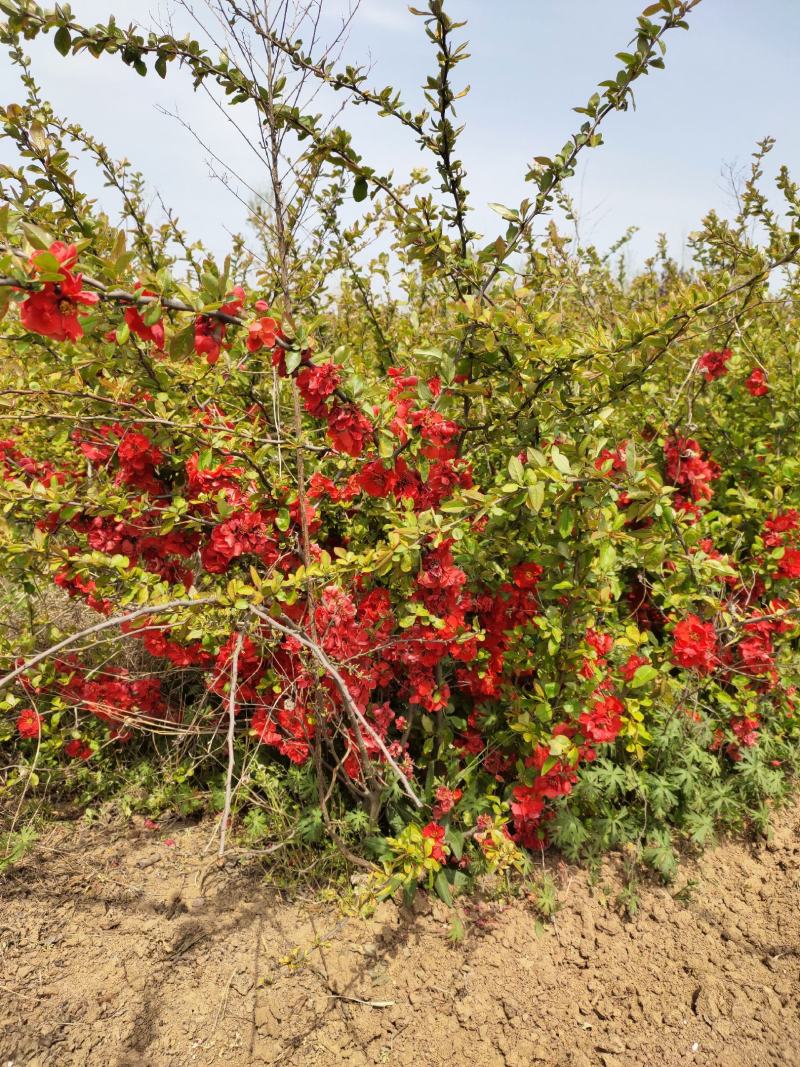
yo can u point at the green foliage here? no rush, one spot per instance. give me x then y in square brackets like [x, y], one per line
[14, 845]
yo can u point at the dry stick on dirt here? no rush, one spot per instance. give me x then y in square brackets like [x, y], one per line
[106, 624]
[226, 811]
[341, 685]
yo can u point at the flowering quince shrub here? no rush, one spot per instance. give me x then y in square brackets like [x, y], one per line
[472, 569]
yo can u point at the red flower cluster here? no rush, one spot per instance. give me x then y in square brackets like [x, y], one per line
[29, 723]
[446, 799]
[695, 645]
[157, 642]
[296, 724]
[613, 460]
[139, 327]
[209, 332]
[15, 464]
[780, 531]
[782, 522]
[435, 834]
[756, 383]
[602, 722]
[713, 364]
[115, 697]
[690, 471]
[78, 749]
[348, 429]
[82, 588]
[789, 563]
[136, 455]
[632, 665]
[246, 534]
[316, 384]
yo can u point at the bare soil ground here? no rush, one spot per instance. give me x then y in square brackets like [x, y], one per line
[110, 954]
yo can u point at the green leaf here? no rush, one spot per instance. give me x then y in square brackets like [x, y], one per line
[62, 40]
[536, 496]
[505, 212]
[442, 888]
[47, 263]
[37, 136]
[606, 557]
[360, 189]
[455, 839]
[548, 764]
[516, 470]
[559, 745]
[39, 238]
[644, 674]
[293, 359]
[560, 461]
[282, 520]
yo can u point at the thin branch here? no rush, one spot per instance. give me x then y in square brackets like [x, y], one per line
[106, 624]
[226, 811]
[341, 685]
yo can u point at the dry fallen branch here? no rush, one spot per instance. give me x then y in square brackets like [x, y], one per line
[226, 811]
[341, 685]
[105, 624]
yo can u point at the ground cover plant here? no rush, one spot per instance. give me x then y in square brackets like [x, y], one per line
[444, 552]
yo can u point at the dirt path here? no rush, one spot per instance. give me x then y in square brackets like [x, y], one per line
[109, 955]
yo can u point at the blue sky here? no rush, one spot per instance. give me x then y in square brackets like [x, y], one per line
[730, 80]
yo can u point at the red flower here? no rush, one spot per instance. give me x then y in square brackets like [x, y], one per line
[263, 333]
[67, 256]
[209, 333]
[603, 722]
[29, 723]
[445, 800]
[348, 429]
[316, 384]
[756, 654]
[783, 521]
[689, 469]
[526, 575]
[527, 804]
[138, 326]
[436, 835]
[695, 645]
[746, 729]
[789, 564]
[377, 480]
[632, 666]
[78, 749]
[265, 728]
[601, 643]
[53, 311]
[320, 486]
[138, 457]
[757, 382]
[712, 364]
[245, 534]
[618, 459]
